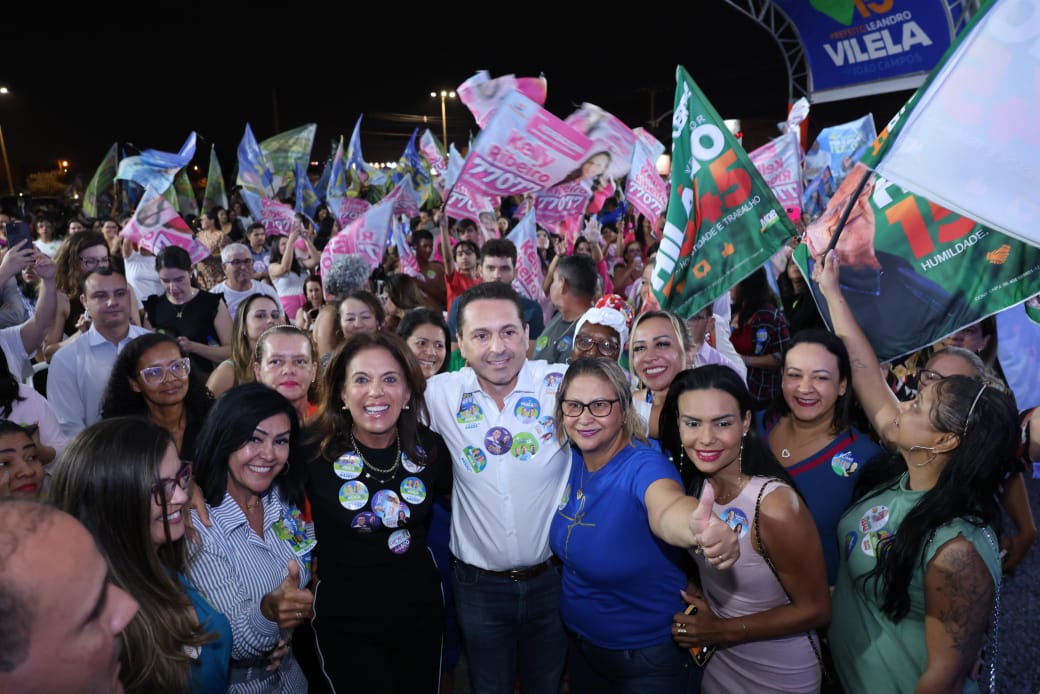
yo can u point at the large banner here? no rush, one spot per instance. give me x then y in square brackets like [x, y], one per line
[859, 47]
[723, 222]
[780, 163]
[524, 148]
[970, 139]
[912, 271]
[482, 94]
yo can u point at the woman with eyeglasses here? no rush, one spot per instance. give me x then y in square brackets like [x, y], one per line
[254, 315]
[253, 558]
[619, 530]
[152, 377]
[602, 331]
[79, 255]
[122, 478]
[920, 564]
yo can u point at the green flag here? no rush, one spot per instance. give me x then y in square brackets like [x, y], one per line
[102, 181]
[186, 202]
[215, 196]
[283, 151]
[723, 221]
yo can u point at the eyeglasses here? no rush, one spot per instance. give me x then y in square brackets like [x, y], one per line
[608, 347]
[928, 376]
[154, 375]
[91, 263]
[239, 262]
[163, 490]
[598, 408]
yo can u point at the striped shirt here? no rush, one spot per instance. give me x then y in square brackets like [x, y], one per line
[236, 568]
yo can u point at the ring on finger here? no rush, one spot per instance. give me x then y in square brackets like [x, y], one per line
[299, 615]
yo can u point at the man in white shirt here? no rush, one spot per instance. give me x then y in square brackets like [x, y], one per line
[240, 285]
[79, 371]
[496, 417]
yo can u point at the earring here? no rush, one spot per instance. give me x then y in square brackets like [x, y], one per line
[931, 458]
[406, 407]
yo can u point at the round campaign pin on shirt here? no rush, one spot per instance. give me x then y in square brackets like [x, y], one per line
[348, 466]
[564, 343]
[475, 458]
[844, 464]
[874, 519]
[734, 517]
[525, 446]
[498, 440]
[851, 540]
[399, 541]
[353, 495]
[411, 466]
[413, 490]
[552, 381]
[385, 503]
[871, 540]
[527, 409]
[545, 428]
[365, 522]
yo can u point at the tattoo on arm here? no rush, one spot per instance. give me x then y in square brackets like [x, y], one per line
[967, 590]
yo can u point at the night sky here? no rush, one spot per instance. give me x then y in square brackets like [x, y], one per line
[74, 92]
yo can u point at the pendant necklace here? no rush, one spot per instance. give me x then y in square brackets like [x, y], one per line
[180, 307]
[370, 468]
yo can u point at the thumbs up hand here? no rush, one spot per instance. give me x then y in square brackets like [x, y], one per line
[288, 604]
[713, 537]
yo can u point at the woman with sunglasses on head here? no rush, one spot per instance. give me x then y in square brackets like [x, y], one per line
[920, 564]
[253, 558]
[760, 614]
[122, 478]
[618, 531]
[152, 378]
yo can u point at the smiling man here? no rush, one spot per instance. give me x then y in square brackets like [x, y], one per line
[509, 473]
[238, 267]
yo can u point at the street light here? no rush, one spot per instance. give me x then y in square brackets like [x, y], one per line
[444, 94]
[3, 150]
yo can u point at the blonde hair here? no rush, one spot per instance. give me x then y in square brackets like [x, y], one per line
[682, 334]
[609, 371]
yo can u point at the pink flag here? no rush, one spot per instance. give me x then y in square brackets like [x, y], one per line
[561, 202]
[609, 133]
[365, 236]
[528, 280]
[409, 264]
[405, 198]
[465, 203]
[157, 225]
[645, 189]
[779, 162]
[347, 209]
[276, 217]
[482, 94]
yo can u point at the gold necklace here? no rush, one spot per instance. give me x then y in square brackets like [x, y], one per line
[180, 310]
[372, 468]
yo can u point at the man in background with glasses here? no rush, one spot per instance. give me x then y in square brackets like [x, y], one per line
[79, 371]
[239, 285]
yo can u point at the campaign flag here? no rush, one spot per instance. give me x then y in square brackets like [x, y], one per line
[185, 194]
[482, 95]
[277, 217]
[528, 279]
[337, 180]
[100, 184]
[465, 203]
[156, 168]
[455, 162]
[253, 172]
[524, 148]
[306, 198]
[283, 151]
[779, 162]
[326, 175]
[651, 142]
[347, 209]
[912, 271]
[818, 193]
[609, 134]
[840, 147]
[409, 263]
[644, 188]
[215, 195]
[566, 201]
[723, 221]
[414, 167]
[365, 236]
[405, 198]
[1019, 352]
[969, 138]
[156, 225]
[434, 154]
[363, 172]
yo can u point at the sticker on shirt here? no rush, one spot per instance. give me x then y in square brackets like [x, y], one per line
[469, 412]
[564, 343]
[366, 522]
[545, 428]
[734, 517]
[399, 541]
[540, 343]
[527, 409]
[874, 519]
[851, 540]
[413, 490]
[353, 495]
[565, 498]
[498, 440]
[525, 446]
[761, 337]
[292, 528]
[475, 458]
[844, 464]
[872, 541]
[348, 466]
[552, 381]
[431, 275]
[407, 462]
[386, 503]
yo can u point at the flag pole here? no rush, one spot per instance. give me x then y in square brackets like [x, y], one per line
[847, 211]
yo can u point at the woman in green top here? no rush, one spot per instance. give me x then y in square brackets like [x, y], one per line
[920, 564]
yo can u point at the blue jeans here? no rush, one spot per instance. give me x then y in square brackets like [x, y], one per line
[661, 669]
[509, 629]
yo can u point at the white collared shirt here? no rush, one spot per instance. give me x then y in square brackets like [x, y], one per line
[510, 470]
[78, 375]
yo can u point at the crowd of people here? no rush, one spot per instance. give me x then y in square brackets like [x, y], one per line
[242, 475]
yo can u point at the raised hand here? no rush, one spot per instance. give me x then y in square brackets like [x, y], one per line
[288, 604]
[825, 274]
[714, 538]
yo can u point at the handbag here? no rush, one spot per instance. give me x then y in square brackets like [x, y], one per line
[830, 684]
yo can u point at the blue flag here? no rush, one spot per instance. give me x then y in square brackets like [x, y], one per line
[306, 198]
[253, 172]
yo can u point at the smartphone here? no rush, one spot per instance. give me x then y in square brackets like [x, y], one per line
[17, 232]
[701, 654]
